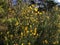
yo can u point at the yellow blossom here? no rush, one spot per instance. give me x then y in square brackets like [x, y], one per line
[17, 23]
[31, 30]
[22, 44]
[57, 42]
[26, 28]
[5, 38]
[21, 33]
[35, 30]
[8, 32]
[34, 33]
[54, 42]
[27, 32]
[29, 43]
[16, 44]
[36, 9]
[11, 35]
[40, 13]
[47, 17]
[30, 7]
[46, 41]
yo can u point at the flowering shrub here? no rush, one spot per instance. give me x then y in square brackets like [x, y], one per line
[28, 26]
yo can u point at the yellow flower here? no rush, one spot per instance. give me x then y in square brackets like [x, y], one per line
[22, 44]
[11, 35]
[16, 44]
[30, 7]
[17, 23]
[47, 17]
[27, 32]
[21, 33]
[46, 41]
[35, 30]
[40, 13]
[8, 32]
[5, 38]
[26, 28]
[31, 30]
[36, 9]
[57, 42]
[34, 33]
[29, 43]
[54, 42]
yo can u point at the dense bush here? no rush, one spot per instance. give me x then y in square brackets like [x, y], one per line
[27, 26]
